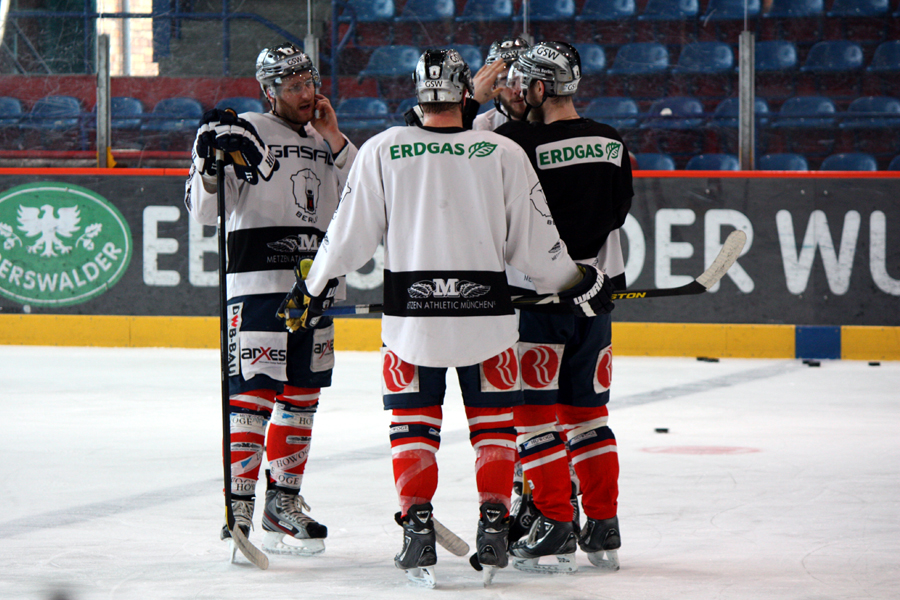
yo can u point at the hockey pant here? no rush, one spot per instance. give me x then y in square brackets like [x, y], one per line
[289, 416]
[545, 450]
[416, 437]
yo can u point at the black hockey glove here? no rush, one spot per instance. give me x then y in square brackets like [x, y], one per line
[204, 151]
[251, 157]
[592, 295]
[314, 306]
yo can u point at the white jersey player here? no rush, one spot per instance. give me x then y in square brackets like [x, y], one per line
[274, 378]
[507, 103]
[452, 207]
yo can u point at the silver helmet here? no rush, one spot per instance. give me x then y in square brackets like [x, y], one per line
[442, 76]
[275, 64]
[556, 64]
[509, 49]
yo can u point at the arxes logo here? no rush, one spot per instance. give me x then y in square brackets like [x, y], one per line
[61, 244]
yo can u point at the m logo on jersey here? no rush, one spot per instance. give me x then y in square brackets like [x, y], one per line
[306, 191]
[540, 365]
[501, 373]
[397, 376]
[481, 149]
[603, 371]
[295, 243]
[447, 288]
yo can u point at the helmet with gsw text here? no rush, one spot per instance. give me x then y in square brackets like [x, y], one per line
[557, 64]
[272, 66]
[508, 49]
[442, 76]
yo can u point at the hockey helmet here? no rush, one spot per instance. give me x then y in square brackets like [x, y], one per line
[556, 64]
[442, 76]
[509, 49]
[272, 66]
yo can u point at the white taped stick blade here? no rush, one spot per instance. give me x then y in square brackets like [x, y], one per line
[250, 552]
[448, 540]
[730, 252]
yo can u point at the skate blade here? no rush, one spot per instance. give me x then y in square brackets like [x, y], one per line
[610, 563]
[273, 543]
[421, 577]
[488, 574]
[565, 564]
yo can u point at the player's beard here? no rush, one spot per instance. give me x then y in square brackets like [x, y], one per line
[299, 117]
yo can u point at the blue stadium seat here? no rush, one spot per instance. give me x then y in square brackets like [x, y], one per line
[610, 21]
[363, 113]
[669, 10]
[678, 112]
[621, 113]
[125, 112]
[859, 8]
[785, 161]
[242, 104]
[368, 11]
[55, 113]
[882, 76]
[607, 10]
[775, 55]
[795, 9]
[593, 59]
[548, 10]
[806, 111]
[859, 20]
[392, 61]
[895, 164]
[705, 69]
[872, 112]
[795, 20]
[426, 11]
[832, 56]
[404, 106]
[849, 161]
[652, 161]
[727, 112]
[670, 21]
[174, 114]
[486, 10]
[640, 58]
[472, 55]
[713, 162]
[10, 111]
[731, 10]
[886, 58]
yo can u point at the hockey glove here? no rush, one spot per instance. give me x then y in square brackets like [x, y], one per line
[592, 295]
[314, 306]
[204, 151]
[251, 157]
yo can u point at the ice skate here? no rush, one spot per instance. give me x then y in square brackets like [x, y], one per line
[418, 555]
[242, 509]
[284, 516]
[601, 537]
[492, 539]
[546, 538]
[522, 515]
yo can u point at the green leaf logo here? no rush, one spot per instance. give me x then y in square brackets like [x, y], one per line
[481, 149]
[60, 244]
[613, 149]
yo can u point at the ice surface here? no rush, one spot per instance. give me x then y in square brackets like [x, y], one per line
[775, 481]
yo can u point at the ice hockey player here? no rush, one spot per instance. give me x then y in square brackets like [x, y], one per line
[272, 221]
[453, 207]
[507, 104]
[584, 169]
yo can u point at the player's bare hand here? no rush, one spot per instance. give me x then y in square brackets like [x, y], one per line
[483, 81]
[325, 121]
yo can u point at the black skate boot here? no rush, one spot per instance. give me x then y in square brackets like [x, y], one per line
[284, 516]
[242, 509]
[492, 539]
[522, 515]
[546, 538]
[418, 555]
[599, 537]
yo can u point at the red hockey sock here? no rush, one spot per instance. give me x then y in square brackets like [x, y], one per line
[415, 437]
[290, 434]
[493, 435]
[544, 463]
[592, 447]
[248, 420]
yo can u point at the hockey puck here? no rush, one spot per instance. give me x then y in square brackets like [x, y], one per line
[662, 430]
[874, 363]
[812, 363]
[707, 359]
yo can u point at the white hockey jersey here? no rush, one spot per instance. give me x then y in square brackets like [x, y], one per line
[489, 120]
[452, 208]
[273, 223]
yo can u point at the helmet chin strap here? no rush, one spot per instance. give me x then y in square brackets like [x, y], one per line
[528, 106]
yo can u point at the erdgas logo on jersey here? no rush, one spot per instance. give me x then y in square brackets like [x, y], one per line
[61, 244]
[447, 288]
[481, 149]
[575, 151]
[306, 193]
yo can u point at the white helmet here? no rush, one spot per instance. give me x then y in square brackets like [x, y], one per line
[442, 76]
[275, 64]
[556, 64]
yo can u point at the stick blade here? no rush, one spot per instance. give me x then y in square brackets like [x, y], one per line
[730, 252]
[250, 552]
[449, 540]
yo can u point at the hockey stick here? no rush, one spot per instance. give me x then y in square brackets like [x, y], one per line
[449, 540]
[729, 253]
[251, 552]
